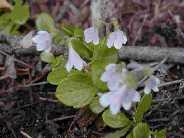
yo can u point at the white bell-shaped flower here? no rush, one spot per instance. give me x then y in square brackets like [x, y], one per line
[151, 84]
[74, 60]
[43, 41]
[91, 35]
[116, 39]
[122, 97]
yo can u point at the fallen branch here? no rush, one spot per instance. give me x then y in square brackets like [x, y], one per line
[11, 45]
[175, 55]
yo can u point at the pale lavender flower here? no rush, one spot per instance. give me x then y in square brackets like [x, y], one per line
[116, 39]
[122, 97]
[151, 84]
[113, 76]
[74, 60]
[43, 41]
[91, 35]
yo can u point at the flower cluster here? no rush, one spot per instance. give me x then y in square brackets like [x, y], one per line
[119, 94]
[116, 39]
[43, 41]
[92, 76]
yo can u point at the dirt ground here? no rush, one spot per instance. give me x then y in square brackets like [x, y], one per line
[28, 105]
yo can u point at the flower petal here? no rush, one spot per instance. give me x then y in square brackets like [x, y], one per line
[136, 97]
[122, 37]
[129, 96]
[115, 108]
[152, 84]
[120, 97]
[126, 105]
[74, 60]
[111, 39]
[105, 99]
[43, 41]
[91, 35]
[117, 44]
[112, 76]
[109, 70]
[116, 39]
[96, 39]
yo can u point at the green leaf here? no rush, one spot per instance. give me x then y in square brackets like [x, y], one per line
[58, 72]
[141, 131]
[20, 13]
[10, 28]
[78, 32]
[143, 106]
[115, 121]
[130, 135]
[55, 77]
[59, 60]
[80, 48]
[47, 57]
[103, 53]
[95, 106]
[76, 90]
[45, 22]
[68, 30]
[118, 133]
[58, 38]
[160, 134]
[97, 68]
[4, 20]
[101, 58]
[131, 80]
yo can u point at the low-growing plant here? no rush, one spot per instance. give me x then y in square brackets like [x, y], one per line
[93, 76]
